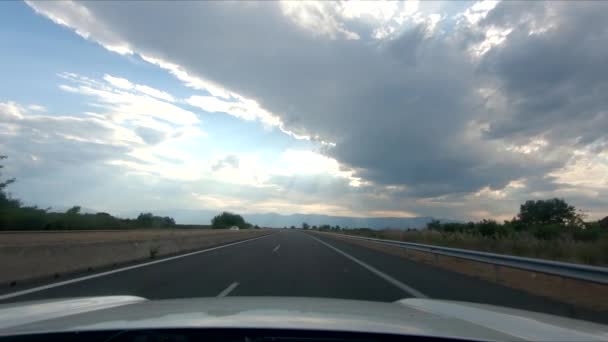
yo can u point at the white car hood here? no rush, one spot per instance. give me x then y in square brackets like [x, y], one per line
[425, 317]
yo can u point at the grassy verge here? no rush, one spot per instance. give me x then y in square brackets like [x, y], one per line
[526, 245]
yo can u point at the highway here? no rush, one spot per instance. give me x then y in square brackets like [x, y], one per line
[295, 263]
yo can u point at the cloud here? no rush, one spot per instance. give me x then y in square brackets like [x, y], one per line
[445, 107]
[123, 127]
[115, 165]
[550, 72]
[241, 108]
[228, 161]
[32, 140]
[129, 104]
[316, 17]
[143, 89]
[335, 90]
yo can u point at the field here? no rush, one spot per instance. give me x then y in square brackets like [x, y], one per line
[562, 249]
[33, 238]
[35, 255]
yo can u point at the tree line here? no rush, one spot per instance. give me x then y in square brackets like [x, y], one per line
[547, 229]
[14, 215]
[547, 219]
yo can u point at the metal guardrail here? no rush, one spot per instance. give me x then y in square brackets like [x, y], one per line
[576, 271]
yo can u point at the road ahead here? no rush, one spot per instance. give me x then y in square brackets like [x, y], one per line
[294, 263]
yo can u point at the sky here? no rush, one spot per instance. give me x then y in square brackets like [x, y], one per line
[451, 109]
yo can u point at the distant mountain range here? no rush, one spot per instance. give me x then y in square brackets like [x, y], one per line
[278, 220]
[185, 216]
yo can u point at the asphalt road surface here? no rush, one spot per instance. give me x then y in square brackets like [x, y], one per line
[294, 263]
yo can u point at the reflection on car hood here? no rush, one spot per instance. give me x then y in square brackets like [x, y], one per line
[408, 316]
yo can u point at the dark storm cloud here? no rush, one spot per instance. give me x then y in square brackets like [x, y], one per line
[402, 111]
[396, 110]
[554, 80]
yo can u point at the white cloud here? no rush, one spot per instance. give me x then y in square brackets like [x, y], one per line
[118, 82]
[134, 106]
[493, 37]
[245, 206]
[10, 110]
[378, 10]
[309, 162]
[37, 108]
[250, 169]
[588, 169]
[317, 17]
[143, 131]
[478, 10]
[243, 109]
[351, 19]
[123, 83]
[65, 126]
[154, 92]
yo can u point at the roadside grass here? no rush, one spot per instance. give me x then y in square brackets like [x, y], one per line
[521, 244]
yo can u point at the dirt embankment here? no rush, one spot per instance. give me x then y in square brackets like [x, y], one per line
[26, 256]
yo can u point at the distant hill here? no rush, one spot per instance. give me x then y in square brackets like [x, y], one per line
[278, 220]
[204, 216]
[63, 209]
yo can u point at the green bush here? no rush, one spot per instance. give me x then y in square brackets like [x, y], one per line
[227, 220]
[588, 234]
[487, 228]
[548, 232]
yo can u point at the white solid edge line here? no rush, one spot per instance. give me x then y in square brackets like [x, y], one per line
[375, 271]
[276, 248]
[92, 276]
[228, 289]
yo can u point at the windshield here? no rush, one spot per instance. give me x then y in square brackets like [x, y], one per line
[228, 149]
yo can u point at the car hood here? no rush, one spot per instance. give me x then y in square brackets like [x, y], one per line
[408, 316]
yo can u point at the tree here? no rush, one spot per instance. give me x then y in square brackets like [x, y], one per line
[434, 225]
[305, 226]
[145, 219]
[75, 210]
[227, 220]
[149, 220]
[5, 200]
[4, 184]
[487, 227]
[603, 223]
[550, 211]
[168, 221]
